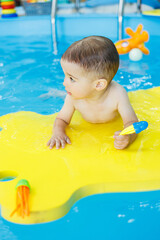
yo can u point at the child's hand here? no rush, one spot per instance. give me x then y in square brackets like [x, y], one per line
[58, 140]
[122, 141]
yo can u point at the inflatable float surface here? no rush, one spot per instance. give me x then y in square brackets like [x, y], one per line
[90, 165]
[155, 12]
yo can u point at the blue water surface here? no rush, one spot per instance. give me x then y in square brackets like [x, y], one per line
[28, 70]
[105, 216]
[31, 80]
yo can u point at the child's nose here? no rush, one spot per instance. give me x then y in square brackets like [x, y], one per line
[65, 82]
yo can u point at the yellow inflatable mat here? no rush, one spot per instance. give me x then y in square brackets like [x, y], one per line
[155, 12]
[90, 165]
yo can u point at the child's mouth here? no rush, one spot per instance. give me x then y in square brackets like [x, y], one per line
[69, 93]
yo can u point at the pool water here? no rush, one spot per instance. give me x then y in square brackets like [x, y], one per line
[29, 70]
[31, 80]
[107, 216]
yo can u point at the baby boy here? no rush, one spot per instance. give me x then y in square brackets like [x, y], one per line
[89, 66]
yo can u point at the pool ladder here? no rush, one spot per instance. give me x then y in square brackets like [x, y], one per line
[77, 6]
[53, 22]
[121, 13]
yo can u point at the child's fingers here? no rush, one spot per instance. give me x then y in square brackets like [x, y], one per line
[52, 143]
[68, 140]
[58, 143]
[116, 134]
[63, 143]
[117, 146]
[120, 137]
[120, 145]
[48, 143]
[122, 141]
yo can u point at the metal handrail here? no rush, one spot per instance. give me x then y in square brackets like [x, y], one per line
[139, 6]
[53, 22]
[77, 5]
[121, 13]
[120, 18]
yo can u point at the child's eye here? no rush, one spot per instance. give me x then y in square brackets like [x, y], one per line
[72, 80]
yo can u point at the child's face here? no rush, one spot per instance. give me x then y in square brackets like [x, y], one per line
[77, 82]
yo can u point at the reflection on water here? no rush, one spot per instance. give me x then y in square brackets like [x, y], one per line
[53, 93]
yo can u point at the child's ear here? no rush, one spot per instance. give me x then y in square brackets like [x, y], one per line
[100, 84]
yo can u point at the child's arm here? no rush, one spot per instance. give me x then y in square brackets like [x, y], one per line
[59, 137]
[128, 116]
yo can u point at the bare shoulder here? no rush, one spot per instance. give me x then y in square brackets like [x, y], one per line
[118, 90]
[116, 87]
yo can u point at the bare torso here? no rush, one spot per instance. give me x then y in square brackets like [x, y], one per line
[100, 111]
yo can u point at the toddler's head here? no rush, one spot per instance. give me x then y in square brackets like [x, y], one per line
[95, 54]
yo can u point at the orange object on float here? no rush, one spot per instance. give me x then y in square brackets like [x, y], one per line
[136, 41]
[22, 199]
